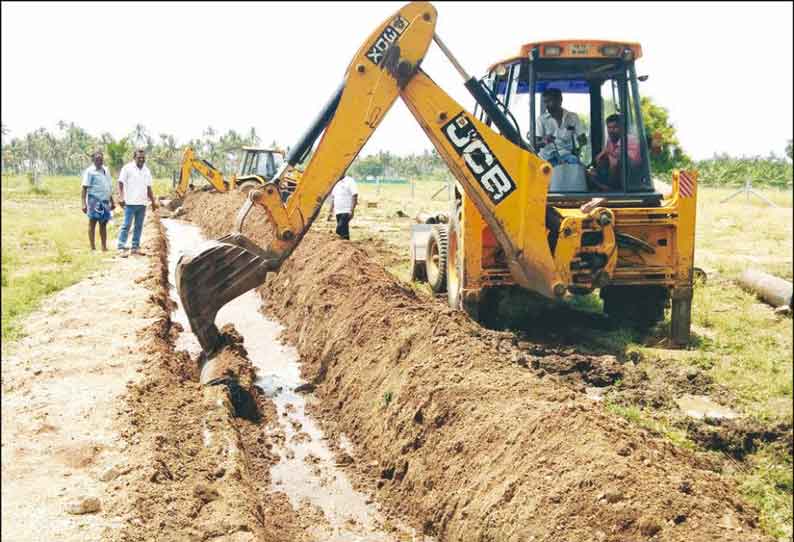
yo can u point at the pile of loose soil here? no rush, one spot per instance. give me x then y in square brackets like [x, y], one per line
[469, 434]
[216, 214]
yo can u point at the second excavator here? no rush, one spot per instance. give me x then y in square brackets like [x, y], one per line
[258, 165]
[551, 246]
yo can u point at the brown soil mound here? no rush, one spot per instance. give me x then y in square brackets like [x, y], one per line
[469, 434]
[216, 214]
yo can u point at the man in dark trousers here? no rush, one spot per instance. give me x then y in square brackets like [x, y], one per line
[344, 198]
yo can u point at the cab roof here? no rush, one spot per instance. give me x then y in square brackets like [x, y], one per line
[574, 49]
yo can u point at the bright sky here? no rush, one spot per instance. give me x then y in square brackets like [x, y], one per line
[723, 70]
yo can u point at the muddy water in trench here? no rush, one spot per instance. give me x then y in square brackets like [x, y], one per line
[306, 471]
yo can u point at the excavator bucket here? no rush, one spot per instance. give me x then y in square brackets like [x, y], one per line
[221, 271]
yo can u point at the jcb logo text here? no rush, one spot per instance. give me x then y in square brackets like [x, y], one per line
[479, 159]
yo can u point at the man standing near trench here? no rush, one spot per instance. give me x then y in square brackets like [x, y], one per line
[344, 198]
[135, 186]
[97, 197]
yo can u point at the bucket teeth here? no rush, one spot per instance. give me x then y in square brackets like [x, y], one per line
[222, 271]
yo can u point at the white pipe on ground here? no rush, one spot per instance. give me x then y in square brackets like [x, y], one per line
[774, 290]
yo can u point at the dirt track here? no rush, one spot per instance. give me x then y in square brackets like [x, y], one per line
[462, 430]
[62, 390]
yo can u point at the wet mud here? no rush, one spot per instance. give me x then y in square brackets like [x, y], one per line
[289, 448]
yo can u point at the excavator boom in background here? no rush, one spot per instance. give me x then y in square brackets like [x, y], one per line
[191, 163]
[544, 249]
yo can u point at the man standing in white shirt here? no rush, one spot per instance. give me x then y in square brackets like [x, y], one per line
[344, 198]
[135, 187]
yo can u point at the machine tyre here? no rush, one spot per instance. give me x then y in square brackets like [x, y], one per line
[247, 186]
[436, 259]
[640, 306]
[699, 276]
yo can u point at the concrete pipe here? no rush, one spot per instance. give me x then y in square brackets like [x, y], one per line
[772, 289]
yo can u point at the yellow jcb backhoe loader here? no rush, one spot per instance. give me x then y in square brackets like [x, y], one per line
[643, 258]
[551, 246]
[257, 167]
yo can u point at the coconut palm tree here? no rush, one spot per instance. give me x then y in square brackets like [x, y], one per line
[209, 148]
[253, 138]
[117, 154]
[34, 150]
[5, 152]
[77, 149]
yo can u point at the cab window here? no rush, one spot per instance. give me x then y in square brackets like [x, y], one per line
[583, 116]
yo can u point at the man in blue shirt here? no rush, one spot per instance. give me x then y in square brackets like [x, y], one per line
[97, 198]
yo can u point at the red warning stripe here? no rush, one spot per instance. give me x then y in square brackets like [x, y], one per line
[686, 186]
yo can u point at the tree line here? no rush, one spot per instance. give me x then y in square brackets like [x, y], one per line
[68, 151]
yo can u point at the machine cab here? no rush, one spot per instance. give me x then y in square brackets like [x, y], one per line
[261, 162]
[596, 144]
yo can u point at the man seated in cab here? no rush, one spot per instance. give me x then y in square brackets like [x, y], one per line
[560, 131]
[606, 174]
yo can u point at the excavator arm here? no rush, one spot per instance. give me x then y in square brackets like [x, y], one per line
[507, 183]
[191, 163]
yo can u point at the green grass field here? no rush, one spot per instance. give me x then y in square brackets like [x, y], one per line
[45, 243]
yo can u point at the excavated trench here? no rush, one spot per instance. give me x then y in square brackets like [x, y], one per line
[306, 470]
[467, 432]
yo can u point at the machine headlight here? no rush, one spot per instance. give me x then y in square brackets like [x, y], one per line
[610, 50]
